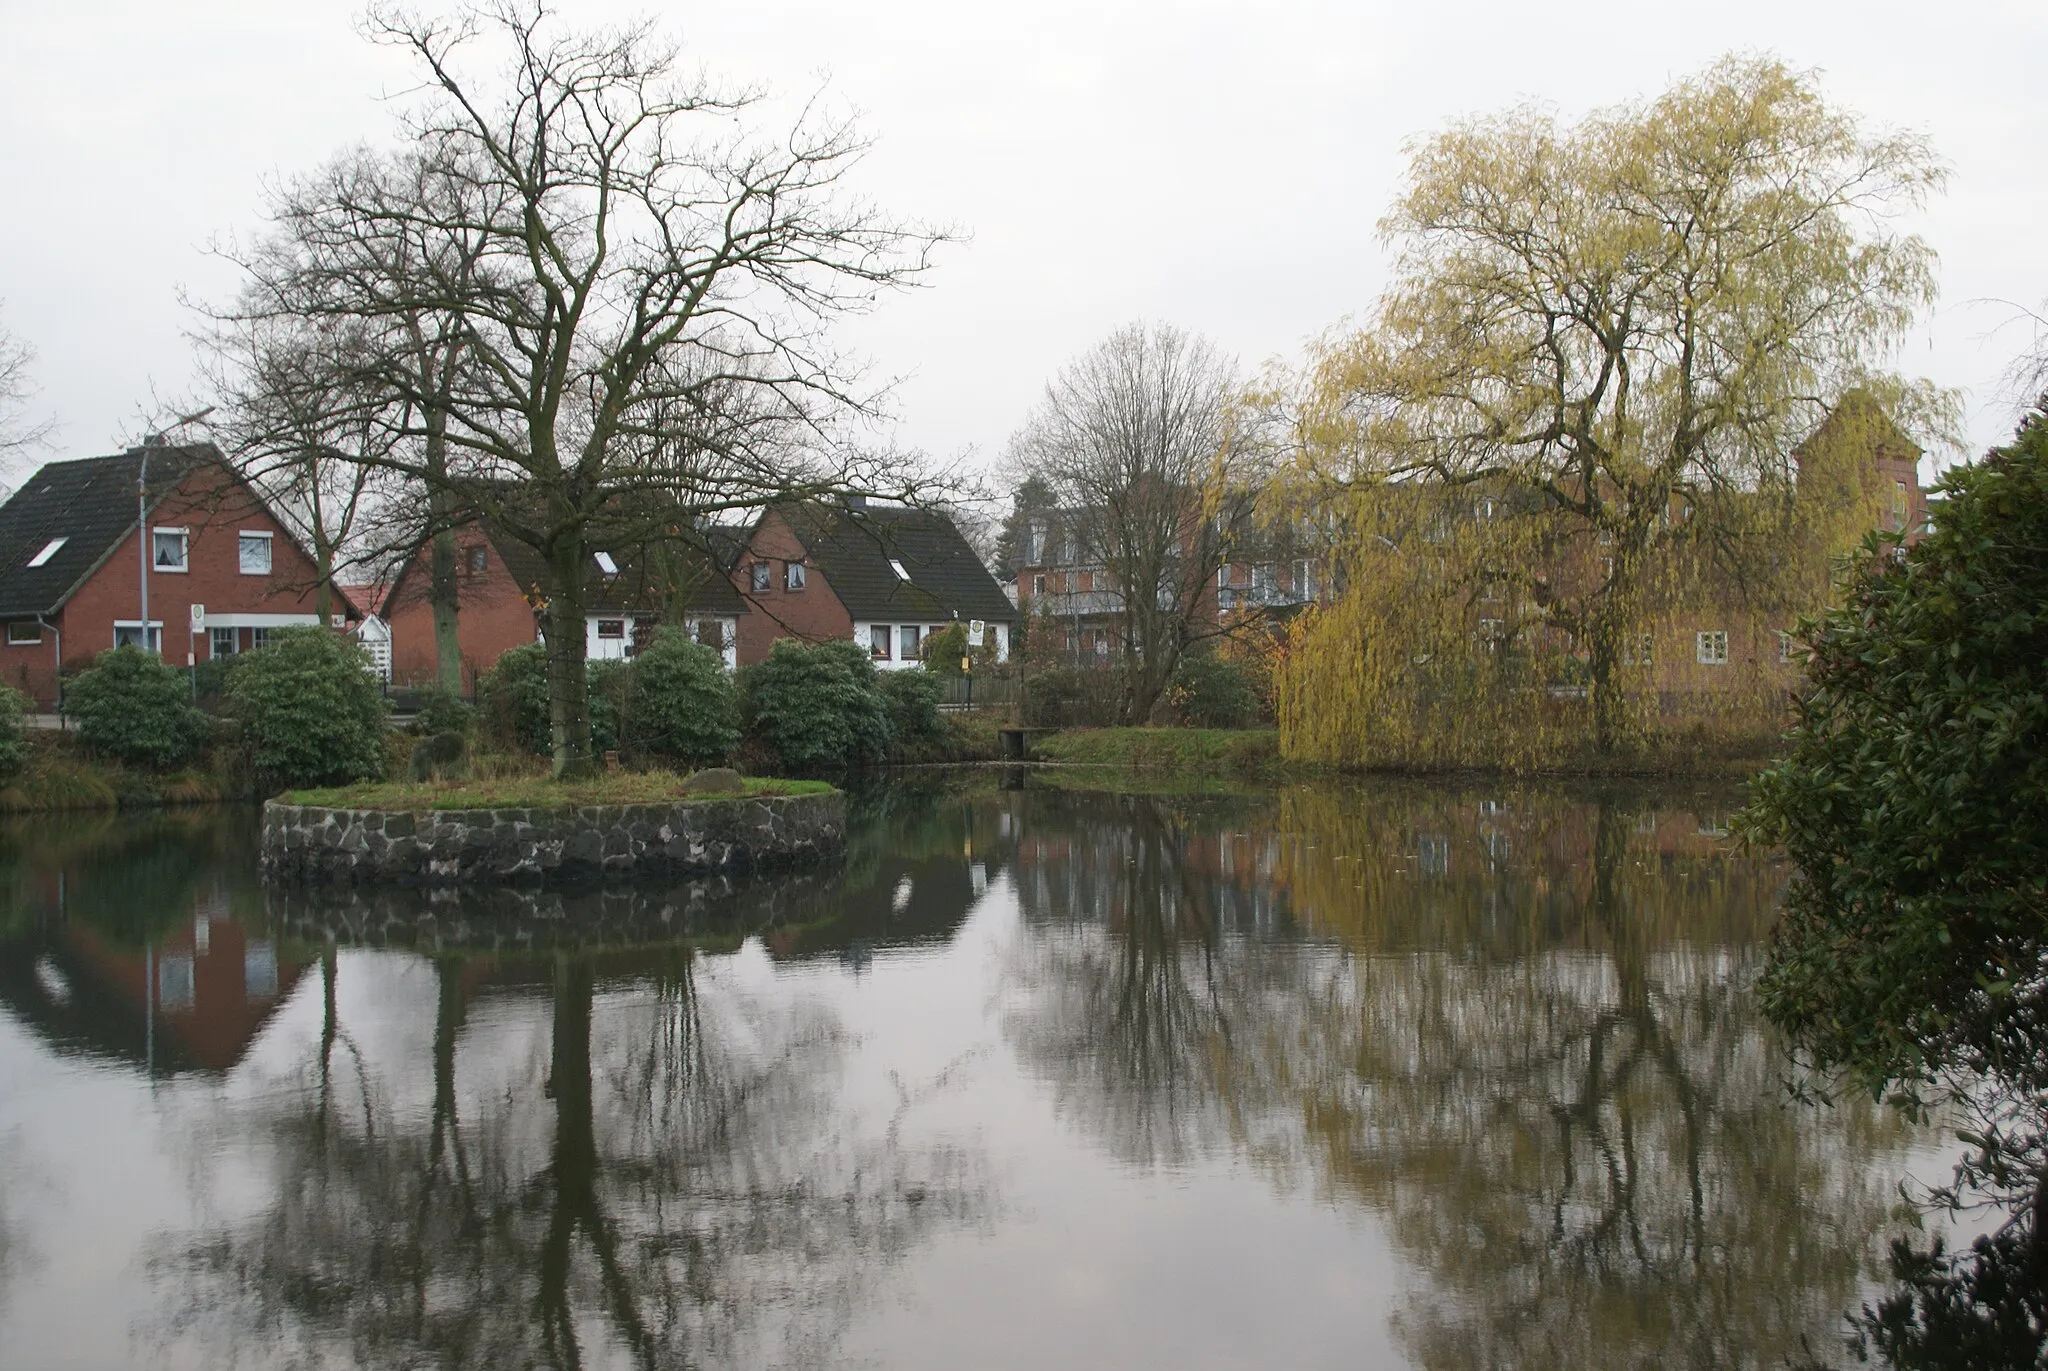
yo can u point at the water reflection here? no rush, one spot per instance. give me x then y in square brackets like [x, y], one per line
[1519, 1029]
[726, 1123]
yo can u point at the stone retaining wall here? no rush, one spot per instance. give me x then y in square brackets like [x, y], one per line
[305, 843]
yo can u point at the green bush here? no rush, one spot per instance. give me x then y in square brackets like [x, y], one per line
[913, 696]
[611, 692]
[1208, 692]
[816, 705]
[513, 698]
[943, 650]
[13, 732]
[132, 708]
[311, 712]
[443, 711]
[682, 706]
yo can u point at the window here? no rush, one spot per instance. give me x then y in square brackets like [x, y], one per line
[906, 639]
[1302, 588]
[711, 633]
[222, 642]
[1788, 646]
[897, 567]
[606, 564]
[1485, 507]
[48, 551]
[129, 634]
[259, 638]
[793, 576]
[611, 628]
[878, 642]
[479, 558]
[254, 550]
[1490, 632]
[759, 575]
[24, 631]
[1638, 650]
[1711, 648]
[1223, 576]
[1038, 585]
[171, 546]
[1899, 504]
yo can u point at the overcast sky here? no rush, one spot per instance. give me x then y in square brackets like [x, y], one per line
[1219, 165]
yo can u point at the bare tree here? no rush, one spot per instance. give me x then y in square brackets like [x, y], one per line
[1137, 441]
[17, 436]
[640, 297]
[302, 427]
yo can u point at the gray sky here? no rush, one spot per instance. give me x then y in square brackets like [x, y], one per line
[1219, 165]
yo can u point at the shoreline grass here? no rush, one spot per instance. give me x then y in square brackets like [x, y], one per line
[539, 792]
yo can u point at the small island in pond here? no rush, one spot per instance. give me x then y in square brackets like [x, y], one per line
[534, 831]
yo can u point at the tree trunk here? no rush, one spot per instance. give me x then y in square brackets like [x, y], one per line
[568, 674]
[323, 587]
[441, 586]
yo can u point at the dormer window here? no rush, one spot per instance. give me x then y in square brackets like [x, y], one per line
[897, 567]
[170, 550]
[606, 564]
[47, 551]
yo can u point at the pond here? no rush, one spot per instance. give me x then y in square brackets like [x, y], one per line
[1363, 1075]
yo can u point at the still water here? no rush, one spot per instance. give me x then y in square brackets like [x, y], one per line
[1359, 1077]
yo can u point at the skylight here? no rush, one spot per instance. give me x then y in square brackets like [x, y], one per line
[897, 567]
[606, 564]
[49, 551]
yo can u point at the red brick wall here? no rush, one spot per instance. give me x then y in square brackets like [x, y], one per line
[812, 613]
[492, 615]
[216, 509]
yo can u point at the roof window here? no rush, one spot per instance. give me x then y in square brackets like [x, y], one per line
[606, 564]
[897, 567]
[49, 551]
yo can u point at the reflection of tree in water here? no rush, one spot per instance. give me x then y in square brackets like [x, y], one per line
[663, 1187]
[1538, 1056]
[1131, 1020]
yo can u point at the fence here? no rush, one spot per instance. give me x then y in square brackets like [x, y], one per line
[986, 691]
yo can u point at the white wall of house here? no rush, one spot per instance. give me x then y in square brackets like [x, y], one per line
[609, 637]
[864, 633]
[375, 636]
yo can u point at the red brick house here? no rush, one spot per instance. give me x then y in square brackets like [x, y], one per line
[884, 576]
[71, 570]
[501, 583]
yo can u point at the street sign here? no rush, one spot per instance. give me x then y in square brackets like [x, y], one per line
[975, 631]
[199, 618]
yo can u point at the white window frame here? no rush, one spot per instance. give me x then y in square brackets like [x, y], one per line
[155, 636]
[909, 637]
[1787, 646]
[259, 638]
[15, 627]
[184, 537]
[896, 565]
[245, 536]
[1710, 647]
[605, 563]
[792, 575]
[761, 576]
[618, 625]
[47, 551]
[881, 638]
[218, 634]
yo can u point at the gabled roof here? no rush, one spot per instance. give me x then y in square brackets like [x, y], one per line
[90, 504]
[854, 549]
[635, 588]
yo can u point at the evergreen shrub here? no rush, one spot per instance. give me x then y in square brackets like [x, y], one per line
[816, 706]
[311, 712]
[913, 696]
[13, 732]
[682, 707]
[132, 708]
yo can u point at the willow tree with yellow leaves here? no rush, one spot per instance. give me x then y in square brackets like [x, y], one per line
[1580, 405]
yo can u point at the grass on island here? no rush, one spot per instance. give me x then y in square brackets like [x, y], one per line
[1240, 750]
[538, 792]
